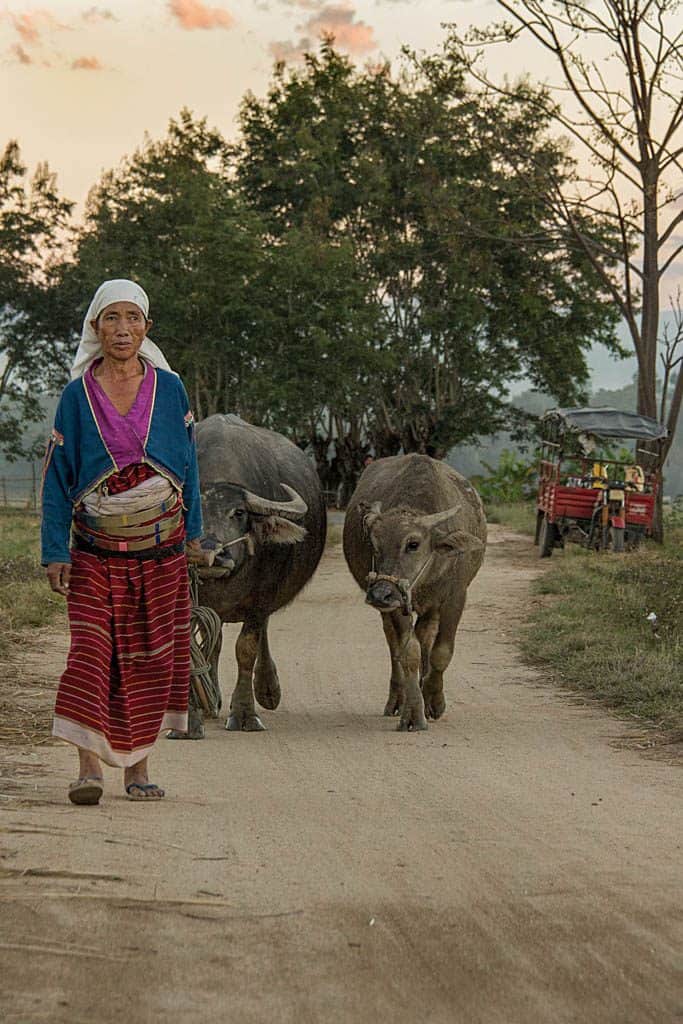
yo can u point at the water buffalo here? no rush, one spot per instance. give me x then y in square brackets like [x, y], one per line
[414, 539]
[264, 533]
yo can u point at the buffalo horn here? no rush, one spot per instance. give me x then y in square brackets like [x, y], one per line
[295, 508]
[439, 517]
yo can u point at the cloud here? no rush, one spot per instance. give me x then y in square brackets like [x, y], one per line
[195, 14]
[26, 26]
[336, 20]
[286, 52]
[95, 14]
[31, 25]
[86, 64]
[21, 55]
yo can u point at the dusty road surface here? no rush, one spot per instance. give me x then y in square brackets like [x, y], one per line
[512, 865]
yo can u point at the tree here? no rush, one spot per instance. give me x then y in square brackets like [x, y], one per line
[619, 99]
[168, 218]
[414, 172]
[33, 226]
[274, 328]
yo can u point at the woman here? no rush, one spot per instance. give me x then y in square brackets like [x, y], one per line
[121, 481]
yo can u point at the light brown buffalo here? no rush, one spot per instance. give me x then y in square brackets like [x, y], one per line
[414, 539]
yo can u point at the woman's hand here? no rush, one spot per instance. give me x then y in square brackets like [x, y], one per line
[193, 550]
[58, 575]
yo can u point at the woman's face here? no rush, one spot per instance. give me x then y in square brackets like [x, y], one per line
[121, 329]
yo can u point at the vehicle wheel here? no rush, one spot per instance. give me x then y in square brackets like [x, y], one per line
[617, 537]
[539, 522]
[546, 538]
[633, 539]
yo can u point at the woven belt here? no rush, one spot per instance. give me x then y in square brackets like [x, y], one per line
[155, 534]
[155, 554]
[108, 523]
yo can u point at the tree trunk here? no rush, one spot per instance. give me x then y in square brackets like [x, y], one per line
[649, 332]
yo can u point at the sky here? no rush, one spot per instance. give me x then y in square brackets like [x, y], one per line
[82, 82]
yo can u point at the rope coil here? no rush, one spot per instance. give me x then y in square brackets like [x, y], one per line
[205, 635]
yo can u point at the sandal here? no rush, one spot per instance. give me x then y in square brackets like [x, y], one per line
[147, 791]
[87, 790]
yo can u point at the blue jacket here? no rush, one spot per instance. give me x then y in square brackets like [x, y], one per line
[77, 459]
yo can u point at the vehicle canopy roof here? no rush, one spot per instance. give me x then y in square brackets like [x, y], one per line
[604, 421]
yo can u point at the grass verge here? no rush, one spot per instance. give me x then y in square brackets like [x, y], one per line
[593, 631]
[519, 516]
[25, 598]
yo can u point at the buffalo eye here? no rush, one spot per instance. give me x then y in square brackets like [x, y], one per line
[412, 545]
[239, 513]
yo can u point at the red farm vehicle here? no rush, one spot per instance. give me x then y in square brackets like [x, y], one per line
[585, 493]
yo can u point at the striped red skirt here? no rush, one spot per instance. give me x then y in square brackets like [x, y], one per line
[128, 671]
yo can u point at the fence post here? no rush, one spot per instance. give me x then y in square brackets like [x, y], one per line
[34, 490]
[4, 492]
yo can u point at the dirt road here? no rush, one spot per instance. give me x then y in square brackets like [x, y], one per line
[511, 865]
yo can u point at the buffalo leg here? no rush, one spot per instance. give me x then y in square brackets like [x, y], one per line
[426, 629]
[242, 714]
[412, 705]
[396, 683]
[266, 682]
[439, 660]
[213, 663]
[195, 726]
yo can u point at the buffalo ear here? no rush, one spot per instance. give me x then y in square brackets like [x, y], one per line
[457, 542]
[369, 513]
[276, 530]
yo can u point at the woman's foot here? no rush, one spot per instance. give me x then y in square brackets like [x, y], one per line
[144, 791]
[137, 784]
[88, 788]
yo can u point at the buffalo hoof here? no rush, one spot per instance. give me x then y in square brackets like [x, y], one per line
[267, 691]
[412, 721]
[243, 722]
[435, 705]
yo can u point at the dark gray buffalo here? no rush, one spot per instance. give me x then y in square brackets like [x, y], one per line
[264, 533]
[414, 539]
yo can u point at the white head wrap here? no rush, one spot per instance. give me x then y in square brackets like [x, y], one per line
[118, 290]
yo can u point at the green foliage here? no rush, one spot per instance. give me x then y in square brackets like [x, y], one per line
[346, 273]
[431, 186]
[673, 522]
[315, 346]
[509, 482]
[168, 218]
[596, 636]
[270, 327]
[33, 222]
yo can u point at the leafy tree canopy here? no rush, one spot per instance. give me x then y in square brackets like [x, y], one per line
[431, 187]
[33, 226]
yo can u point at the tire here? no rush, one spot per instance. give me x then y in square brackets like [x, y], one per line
[633, 540]
[617, 538]
[539, 520]
[546, 538]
